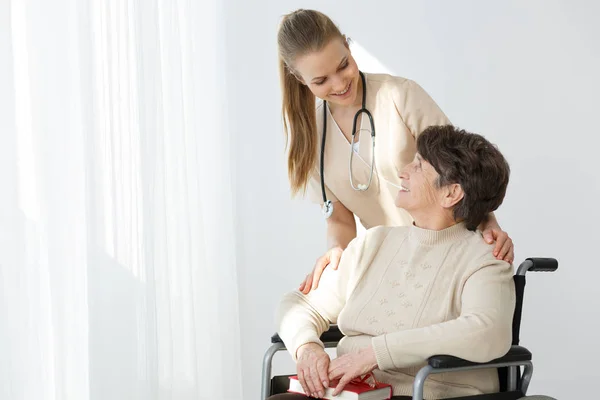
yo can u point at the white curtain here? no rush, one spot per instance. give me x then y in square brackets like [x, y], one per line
[117, 261]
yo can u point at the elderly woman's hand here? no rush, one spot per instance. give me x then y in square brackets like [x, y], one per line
[350, 366]
[504, 249]
[312, 369]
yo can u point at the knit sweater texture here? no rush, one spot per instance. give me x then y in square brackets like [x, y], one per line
[412, 293]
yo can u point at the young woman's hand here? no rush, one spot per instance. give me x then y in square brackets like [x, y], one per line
[331, 259]
[504, 249]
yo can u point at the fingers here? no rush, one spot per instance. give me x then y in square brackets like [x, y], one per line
[504, 249]
[507, 251]
[335, 374]
[502, 240]
[322, 369]
[488, 236]
[312, 371]
[317, 383]
[343, 382]
[335, 257]
[320, 265]
[307, 284]
[510, 257]
[317, 275]
[330, 259]
[303, 383]
[309, 382]
[334, 370]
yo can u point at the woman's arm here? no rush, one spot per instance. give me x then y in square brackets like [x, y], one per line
[303, 318]
[481, 333]
[341, 229]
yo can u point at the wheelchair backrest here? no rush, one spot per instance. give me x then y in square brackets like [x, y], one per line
[519, 291]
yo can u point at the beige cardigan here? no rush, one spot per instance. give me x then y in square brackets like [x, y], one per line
[401, 110]
[412, 293]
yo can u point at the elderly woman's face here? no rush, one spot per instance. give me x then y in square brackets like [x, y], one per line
[419, 190]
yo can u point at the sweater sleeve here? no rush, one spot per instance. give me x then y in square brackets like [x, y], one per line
[417, 109]
[482, 332]
[303, 318]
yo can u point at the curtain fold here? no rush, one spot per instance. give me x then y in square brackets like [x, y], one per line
[117, 254]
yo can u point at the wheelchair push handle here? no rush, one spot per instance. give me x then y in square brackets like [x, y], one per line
[537, 264]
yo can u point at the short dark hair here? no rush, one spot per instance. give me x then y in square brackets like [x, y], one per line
[471, 161]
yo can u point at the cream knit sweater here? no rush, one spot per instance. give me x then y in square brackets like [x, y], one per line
[412, 293]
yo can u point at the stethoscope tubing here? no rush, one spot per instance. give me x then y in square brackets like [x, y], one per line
[327, 204]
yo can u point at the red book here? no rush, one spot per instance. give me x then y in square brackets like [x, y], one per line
[356, 389]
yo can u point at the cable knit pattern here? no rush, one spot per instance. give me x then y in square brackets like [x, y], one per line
[412, 293]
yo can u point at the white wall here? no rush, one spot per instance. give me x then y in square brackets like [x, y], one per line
[525, 74]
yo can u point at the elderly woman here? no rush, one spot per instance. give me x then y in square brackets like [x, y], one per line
[404, 294]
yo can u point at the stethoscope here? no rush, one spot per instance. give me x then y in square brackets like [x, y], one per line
[361, 187]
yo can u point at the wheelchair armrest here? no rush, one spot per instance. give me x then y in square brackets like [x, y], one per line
[537, 264]
[515, 354]
[332, 335]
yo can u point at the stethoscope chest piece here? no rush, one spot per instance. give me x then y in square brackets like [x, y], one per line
[327, 209]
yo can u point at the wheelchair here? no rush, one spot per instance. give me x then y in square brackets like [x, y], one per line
[513, 383]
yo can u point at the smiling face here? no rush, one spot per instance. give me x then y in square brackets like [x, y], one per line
[418, 192]
[427, 202]
[331, 73]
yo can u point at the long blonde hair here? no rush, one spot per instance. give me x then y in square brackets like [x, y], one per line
[301, 32]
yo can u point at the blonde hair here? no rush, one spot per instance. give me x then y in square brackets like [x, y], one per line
[301, 32]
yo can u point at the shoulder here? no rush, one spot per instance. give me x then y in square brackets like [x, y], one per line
[480, 254]
[384, 79]
[387, 82]
[477, 247]
[405, 94]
